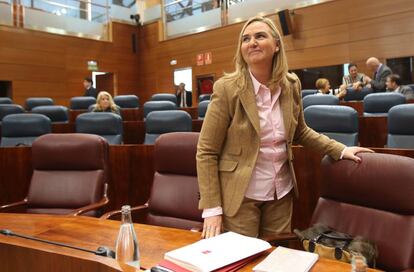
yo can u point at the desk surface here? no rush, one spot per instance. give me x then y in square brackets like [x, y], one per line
[91, 233]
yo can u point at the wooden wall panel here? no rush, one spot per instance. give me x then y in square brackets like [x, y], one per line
[43, 64]
[331, 33]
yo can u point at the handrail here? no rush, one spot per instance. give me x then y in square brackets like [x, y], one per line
[71, 7]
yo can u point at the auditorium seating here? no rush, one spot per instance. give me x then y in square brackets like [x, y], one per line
[70, 172]
[158, 106]
[81, 102]
[160, 122]
[337, 122]
[315, 99]
[105, 124]
[33, 102]
[353, 95]
[204, 97]
[378, 104]
[173, 200]
[5, 100]
[401, 126]
[23, 128]
[7, 109]
[164, 97]
[57, 114]
[373, 199]
[202, 109]
[127, 101]
[307, 92]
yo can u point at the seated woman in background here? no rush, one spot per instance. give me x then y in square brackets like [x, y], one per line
[354, 80]
[323, 86]
[105, 103]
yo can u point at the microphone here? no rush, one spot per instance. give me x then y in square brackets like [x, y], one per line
[101, 251]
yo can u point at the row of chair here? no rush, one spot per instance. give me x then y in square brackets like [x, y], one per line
[353, 197]
[151, 106]
[24, 128]
[375, 104]
[341, 123]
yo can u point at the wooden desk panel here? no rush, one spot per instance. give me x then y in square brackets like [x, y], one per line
[356, 105]
[92, 233]
[373, 131]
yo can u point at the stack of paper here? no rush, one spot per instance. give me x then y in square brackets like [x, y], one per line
[217, 252]
[287, 260]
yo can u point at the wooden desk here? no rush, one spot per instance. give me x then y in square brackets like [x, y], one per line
[20, 254]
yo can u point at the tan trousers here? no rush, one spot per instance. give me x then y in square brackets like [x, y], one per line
[261, 218]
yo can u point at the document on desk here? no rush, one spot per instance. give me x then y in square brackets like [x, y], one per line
[287, 260]
[217, 252]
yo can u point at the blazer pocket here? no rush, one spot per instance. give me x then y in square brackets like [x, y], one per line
[227, 166]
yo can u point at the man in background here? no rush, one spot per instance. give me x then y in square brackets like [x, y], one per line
[184, 97]
[394, 85]
[89, 90]
[380, 71]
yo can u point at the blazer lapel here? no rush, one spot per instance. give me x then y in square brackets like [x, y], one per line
[286, 108]
[248, 100]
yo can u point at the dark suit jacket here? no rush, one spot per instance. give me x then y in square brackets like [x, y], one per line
[378, 82]
[91, 92]
[406, 91]
[188, 99]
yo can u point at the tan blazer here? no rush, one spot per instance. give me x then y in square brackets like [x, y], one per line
[229, 141]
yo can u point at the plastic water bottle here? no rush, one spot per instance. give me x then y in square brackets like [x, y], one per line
[126, 247]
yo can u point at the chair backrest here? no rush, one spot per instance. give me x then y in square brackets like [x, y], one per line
[6, 109]
[373, 199]
[6, 100]
[315, 99]
[337, 122]
[202, 109]
[401, 126]
[23, 128]
[158, 106]
[127, 101]
[105, 124]
[33, 102]
[55, 113]
[174, 196]
[204, 97]
[378, 104]
[306, 92]
[353, 95]
[81, 102]
[69, 172]
[164, 97]
[160, 122]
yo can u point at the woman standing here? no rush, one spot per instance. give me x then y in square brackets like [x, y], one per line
[244, 155]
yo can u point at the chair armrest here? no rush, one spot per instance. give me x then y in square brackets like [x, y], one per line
[281, 237]
[14, 205]
[409, 270]
[108, 215]
[90, 207]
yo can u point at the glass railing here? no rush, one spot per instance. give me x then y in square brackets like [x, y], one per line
[6, 15]
[183, 17]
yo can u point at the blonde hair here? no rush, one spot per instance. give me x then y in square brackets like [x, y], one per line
[321, 83]
[279, 67]
[112, 104]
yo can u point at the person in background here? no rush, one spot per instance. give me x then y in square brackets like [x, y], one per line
[184, 97]
[323, 86]
[380, 71]
[89, 90]
[394, 85]
[244, 153]
[354, 80]
[105, 103]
